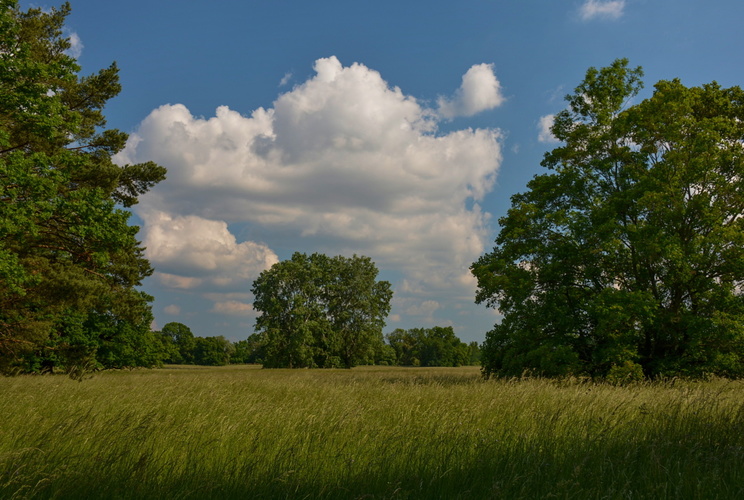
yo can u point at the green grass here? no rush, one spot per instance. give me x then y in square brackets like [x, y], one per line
[243, 432]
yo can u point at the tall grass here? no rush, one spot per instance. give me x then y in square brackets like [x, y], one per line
[242, 432]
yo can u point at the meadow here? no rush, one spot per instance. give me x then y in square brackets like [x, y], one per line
[370, 432]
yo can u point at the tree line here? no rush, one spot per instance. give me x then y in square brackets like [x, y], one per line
[436, 346]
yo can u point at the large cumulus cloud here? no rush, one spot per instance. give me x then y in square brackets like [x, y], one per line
[342, 163]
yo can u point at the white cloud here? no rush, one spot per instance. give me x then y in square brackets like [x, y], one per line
[172, 309]
[190, 251]
[343, 163]
[76, 46]
[426, 308]
[177, 282]
[544, 133]
[608, 9]
[233, 308]
[480, 91]
[285, 79]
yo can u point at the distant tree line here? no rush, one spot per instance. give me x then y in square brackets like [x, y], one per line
[180, 346]
[437, 346]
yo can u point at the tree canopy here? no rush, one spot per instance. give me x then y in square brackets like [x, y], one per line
[627, 258]
[436, 346]
[320, 311]
[69, 261]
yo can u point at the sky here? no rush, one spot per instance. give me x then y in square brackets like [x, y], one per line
[398, 130]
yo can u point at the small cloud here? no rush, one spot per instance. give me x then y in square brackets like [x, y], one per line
[76, 46]
[172, 309]
[177, 282]
[480, 91]
[608, 9]
[285, 79]
[233, 308]
[426, 308]
[544, 126]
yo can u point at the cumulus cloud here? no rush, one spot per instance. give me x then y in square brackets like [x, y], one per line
[608, 9]
[480, 91]
[342, 163]
[544, 124]
[190, 251]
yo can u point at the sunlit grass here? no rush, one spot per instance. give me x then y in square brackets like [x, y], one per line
[243, 432]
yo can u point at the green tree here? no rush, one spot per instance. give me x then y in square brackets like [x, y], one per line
[406, 344]
[121, 343]
[250, 350]
[474, 354]
[182, 340]
[436, 346]
[212, 351]
[66, 250]
[319, 311]
[385, 355]
[628, 257]
[356, 305]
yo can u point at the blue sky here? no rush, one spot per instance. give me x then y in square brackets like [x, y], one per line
[396, 130]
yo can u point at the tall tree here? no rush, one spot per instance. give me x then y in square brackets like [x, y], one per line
[66, 249]
[356, 305]
[628, 258]
[319, 311]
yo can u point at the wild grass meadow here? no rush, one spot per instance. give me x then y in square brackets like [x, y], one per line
[370, 432]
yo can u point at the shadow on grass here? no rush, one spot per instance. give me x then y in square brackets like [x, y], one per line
[672, 467]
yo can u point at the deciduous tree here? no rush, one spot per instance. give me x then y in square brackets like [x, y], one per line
[627, 258]
[181, 342]
[319, 311]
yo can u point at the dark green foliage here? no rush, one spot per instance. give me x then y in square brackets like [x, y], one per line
[180, 341]
[212, 351]
[250, 350]
[180, 346]
[69, 262]
[386, 356]
[628, 257]
[437, 346]
[474, 354]
[319, 311]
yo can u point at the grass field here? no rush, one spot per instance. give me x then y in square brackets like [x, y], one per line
[243, 432]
